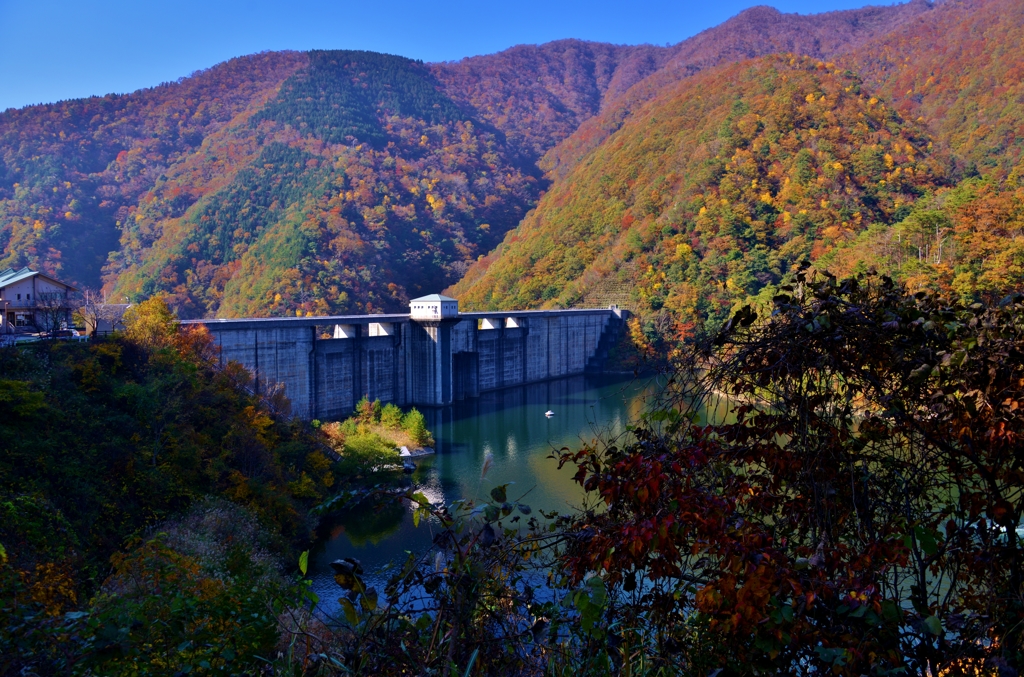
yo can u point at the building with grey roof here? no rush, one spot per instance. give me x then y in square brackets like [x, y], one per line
[32, 301]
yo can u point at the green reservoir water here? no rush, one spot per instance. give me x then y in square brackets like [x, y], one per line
[509, 425]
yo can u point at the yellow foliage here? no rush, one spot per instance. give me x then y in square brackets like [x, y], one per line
[304, 487]
[318, 462]
[638, 338]
[52, 587]
[150, 323]
[968, 667]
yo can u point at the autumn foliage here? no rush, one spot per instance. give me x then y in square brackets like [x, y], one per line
[103, 441]
[283, 182]
[72, 173]
[714, 190]
[837, 485]
[705, 184]
[337, 181]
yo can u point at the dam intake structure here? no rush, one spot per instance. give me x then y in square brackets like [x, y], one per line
[429, 357]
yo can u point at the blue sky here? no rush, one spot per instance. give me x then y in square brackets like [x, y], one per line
[60, 49]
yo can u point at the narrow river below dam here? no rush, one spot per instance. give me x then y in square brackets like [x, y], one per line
[508, 425]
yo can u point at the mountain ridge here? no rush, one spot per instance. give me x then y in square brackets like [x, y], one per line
[950, 72]
[342, 181]
[714, 189]
[740, 37]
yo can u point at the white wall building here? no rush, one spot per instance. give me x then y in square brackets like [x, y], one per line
[29, 301]
[433, 307]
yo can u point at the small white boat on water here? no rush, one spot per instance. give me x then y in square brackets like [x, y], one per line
[549, 413]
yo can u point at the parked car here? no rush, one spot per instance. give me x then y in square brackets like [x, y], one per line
[60, 333]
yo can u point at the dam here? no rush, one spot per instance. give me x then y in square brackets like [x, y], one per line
[429, 357]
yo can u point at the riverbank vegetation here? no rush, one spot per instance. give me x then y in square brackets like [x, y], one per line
[367, 443]
[386, 422]
[110, 449]
[863, 517]
[858, 513]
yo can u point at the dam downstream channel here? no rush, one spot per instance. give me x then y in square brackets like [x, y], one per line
[510, 426]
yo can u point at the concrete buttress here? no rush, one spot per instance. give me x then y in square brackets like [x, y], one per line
[427, 358]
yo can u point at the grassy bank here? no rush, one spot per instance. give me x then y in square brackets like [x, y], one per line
[374, 423]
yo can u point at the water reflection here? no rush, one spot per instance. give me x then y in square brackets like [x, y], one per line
[510, 426]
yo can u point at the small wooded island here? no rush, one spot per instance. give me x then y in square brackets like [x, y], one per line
[382, 431]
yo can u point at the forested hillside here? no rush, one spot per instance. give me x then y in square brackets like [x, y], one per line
[339, 181]
[538, 96]
[72, 173]
[375, 188]
[714, 190]
[334, 181]
[959, 68]
[960, 72]
[902, 154]
[286, 182]
[754, 32]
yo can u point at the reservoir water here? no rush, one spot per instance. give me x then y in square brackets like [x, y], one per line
[508, 426]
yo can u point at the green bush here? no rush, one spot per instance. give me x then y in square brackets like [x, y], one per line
[416, 426]
[367, 411]
[366, 454]
[391, 416]
[350, 426]
[200, 598]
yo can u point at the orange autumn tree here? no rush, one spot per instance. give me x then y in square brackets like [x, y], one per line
[858, 509]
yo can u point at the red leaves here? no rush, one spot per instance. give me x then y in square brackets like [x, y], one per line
[676, 518]
[1002, 513]
[850, 507]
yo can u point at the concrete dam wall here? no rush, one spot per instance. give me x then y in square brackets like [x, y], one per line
[428, 358]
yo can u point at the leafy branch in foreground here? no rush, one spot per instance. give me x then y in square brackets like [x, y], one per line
[836, 486]
[481, 602]
[833, 485]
